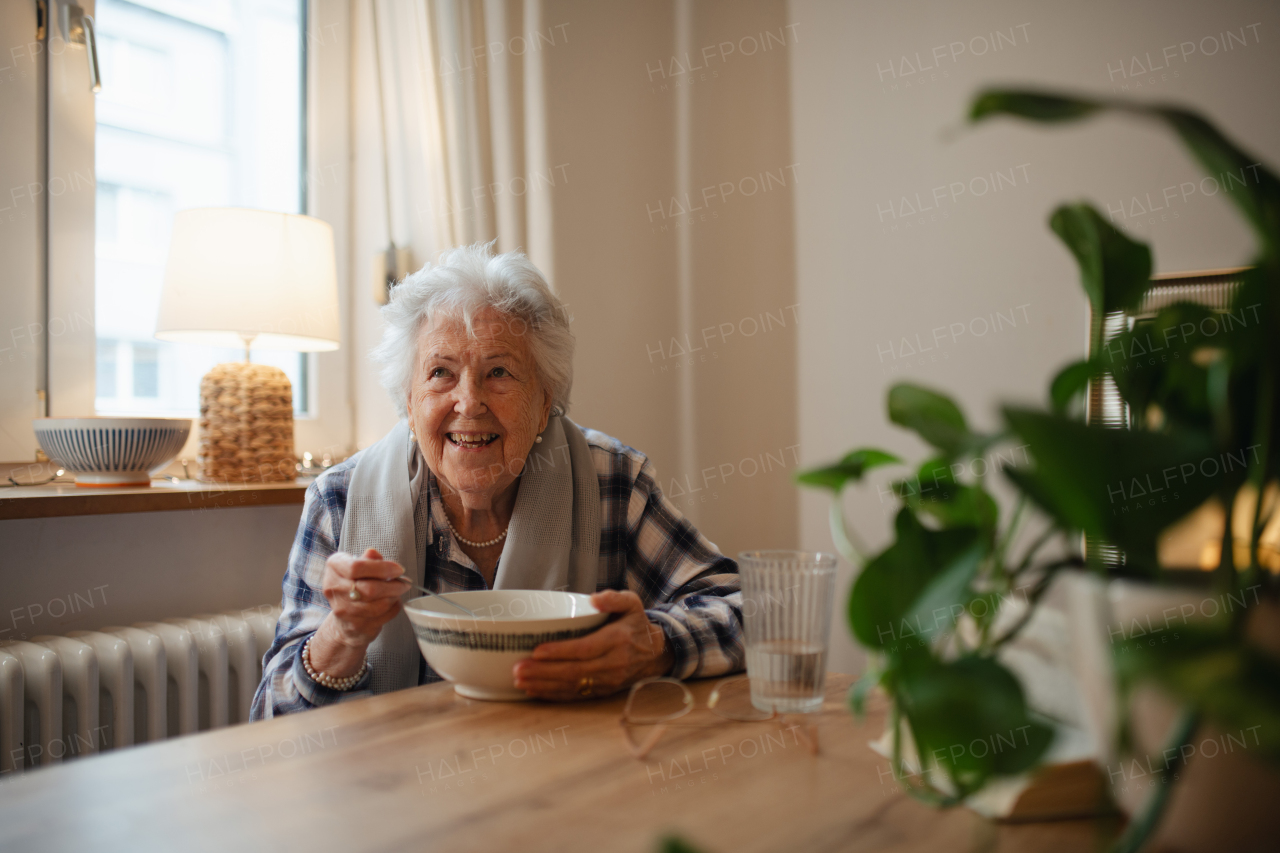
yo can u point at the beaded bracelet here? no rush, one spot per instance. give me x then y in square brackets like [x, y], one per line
[339, 684]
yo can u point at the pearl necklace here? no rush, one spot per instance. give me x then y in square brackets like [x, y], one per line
[493, 541]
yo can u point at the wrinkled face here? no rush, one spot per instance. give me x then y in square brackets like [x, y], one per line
[476, 404]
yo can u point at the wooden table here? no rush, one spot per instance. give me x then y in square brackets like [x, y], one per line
[424, 769]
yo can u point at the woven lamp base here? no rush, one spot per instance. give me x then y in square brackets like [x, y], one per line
[246, 425]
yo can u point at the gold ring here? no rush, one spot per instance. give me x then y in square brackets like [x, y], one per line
[354, 594]
[586, 685]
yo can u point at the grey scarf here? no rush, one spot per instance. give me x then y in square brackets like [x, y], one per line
[553, 541]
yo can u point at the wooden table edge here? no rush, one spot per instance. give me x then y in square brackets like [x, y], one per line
[38, 502]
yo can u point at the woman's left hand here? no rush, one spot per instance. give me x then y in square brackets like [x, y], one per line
[613, 657]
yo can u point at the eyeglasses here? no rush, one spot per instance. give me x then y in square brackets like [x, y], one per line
[659, 701]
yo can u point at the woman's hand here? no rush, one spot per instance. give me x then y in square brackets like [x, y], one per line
[339, 645]
[616, 655]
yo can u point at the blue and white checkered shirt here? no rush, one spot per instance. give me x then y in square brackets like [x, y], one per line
[688, 587]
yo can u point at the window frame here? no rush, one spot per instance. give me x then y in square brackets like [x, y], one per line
[70, 360]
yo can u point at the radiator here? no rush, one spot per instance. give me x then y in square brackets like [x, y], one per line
[63, 697]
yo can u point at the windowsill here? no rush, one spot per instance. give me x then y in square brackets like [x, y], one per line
[65, 499]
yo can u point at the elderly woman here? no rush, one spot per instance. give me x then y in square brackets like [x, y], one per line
[486, 484]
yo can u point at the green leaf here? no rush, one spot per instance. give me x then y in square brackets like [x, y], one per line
[892, 581]
[933, 416]
[1251, 186]
[948, 593]
[1114, 269]
[676, 844]
[1037, 106]
[1071, 381]
[851, 468]
[861, 689]
[1123, 486]
[1259, 287]
[1164, 363]
[935, 472]
[970, 717]
[934, 492]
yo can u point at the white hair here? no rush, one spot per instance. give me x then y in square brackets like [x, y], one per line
[462, 283]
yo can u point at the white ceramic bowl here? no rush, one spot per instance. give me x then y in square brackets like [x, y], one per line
[112, 451]
[477, 655]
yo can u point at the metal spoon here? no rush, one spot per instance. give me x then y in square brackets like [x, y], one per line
[426, 591]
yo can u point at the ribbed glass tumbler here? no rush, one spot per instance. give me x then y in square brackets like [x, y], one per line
[786, 603]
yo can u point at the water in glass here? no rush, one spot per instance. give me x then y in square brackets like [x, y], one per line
[787, 675]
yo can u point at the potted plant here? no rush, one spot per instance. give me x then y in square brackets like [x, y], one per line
[1213, 394]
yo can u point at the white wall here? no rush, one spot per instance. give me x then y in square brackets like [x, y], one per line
[869, 131]
[649, 127]
[21, 247]
[87, 572]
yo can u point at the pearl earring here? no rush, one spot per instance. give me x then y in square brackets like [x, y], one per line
[538, 440]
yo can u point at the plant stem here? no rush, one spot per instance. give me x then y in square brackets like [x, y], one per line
[1015, 521]
[1261, 523]
[1226, 570]
[846, 541]
[1035, 547]
[1258, 475]
[1144, 823]
[1006, 577]
[1255, 534]
[1037, 592]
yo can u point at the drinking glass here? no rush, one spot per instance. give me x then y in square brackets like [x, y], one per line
[786, 603]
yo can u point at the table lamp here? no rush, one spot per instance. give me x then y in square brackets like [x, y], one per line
[239, 277]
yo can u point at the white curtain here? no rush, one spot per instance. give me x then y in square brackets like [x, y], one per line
[461, 121]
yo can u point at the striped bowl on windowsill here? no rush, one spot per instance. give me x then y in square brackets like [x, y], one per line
[112, 452]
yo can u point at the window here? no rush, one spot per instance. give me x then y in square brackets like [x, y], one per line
[201, 106]
[107, 367]
[146, 371]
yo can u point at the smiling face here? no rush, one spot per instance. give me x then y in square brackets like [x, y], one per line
[476, 405]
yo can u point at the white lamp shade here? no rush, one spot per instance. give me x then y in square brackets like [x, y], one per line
[234, 273]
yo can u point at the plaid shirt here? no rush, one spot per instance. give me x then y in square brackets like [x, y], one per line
[688, 587]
